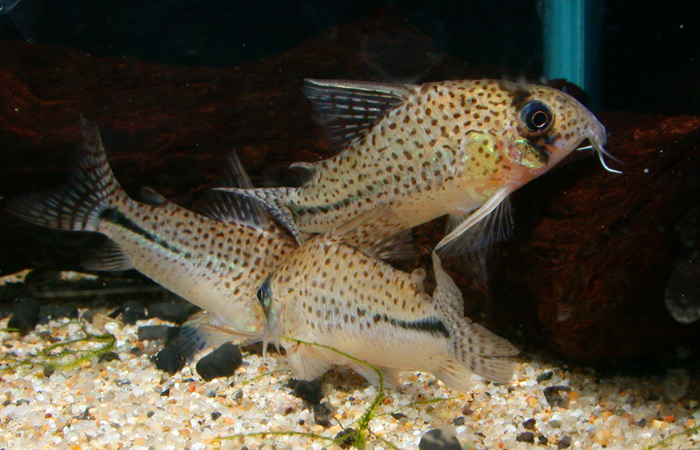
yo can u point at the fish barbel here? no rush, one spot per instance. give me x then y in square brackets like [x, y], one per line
[330, 294]
[453, 147]
[216, 261]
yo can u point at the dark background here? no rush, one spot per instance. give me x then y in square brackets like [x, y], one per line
[650, 54]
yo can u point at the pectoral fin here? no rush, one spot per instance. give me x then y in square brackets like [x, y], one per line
[489, 224]
[470, 235]
[206, 330]
[390, 377]
[307, 362]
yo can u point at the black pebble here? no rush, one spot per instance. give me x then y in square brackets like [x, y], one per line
[459, 421]
[169, 360]
[564, 442]
[346, 438]
[48, 371]
[109, 356]
[89, 315]
[309, 391]
[399, 415]
[554, 398]
[222, 362]
[25, 316]
[322, 414]
[53, 312]
[5, 311]
[529, 424]
[542, 439]
[544, 376]
[439, 439]
[133, 311]
[215, 415]
[526, 436]
[172, 312]
[157, 333]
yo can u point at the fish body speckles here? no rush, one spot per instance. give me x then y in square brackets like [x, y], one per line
[215, 260]
[430, 150]
[332, 294]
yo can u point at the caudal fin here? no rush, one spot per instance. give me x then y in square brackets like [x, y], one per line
[474, 349]
[75, 206]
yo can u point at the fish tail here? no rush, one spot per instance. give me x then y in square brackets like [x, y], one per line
[276, 202]
[77, 205]
[473, 348]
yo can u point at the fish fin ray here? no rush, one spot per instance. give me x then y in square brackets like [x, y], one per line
[75, 206]
[390, 376]
[447, 293]
[454, 374]
[473, 346]
[205, 330]
[26, 16]
[109, 257]
[307, 362]
[348, 109]
[275, 203]
[235, 206]
[470, 235]
[376, 232]
[489, 224]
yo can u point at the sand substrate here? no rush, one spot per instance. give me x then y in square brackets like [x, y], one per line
[124, 402]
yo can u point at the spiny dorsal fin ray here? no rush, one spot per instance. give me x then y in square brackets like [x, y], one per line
[275, 201]
[348, 109]
[76, 205]
[376, 232]
[233, 206]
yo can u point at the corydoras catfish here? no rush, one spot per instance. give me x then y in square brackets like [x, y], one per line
[452, 147]
[216, 261]
[331, 294]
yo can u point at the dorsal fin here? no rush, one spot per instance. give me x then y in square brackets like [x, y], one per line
[231, 206]
[348, 109]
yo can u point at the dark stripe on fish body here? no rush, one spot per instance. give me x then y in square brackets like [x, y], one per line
[298, 211]
[113, 215]
[430, 325]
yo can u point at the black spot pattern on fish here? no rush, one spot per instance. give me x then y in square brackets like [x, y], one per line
[113, 215]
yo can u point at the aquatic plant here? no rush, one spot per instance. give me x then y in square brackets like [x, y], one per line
[356, 438]
[663, 443]
[65, 355]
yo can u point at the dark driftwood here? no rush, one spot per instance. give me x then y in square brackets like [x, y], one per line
[585, 271]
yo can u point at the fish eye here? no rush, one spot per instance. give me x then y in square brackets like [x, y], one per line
[263, 294]
[536, 117]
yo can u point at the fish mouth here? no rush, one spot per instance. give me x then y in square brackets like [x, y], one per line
[596, 145]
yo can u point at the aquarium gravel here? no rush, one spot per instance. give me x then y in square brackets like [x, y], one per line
[119, 400]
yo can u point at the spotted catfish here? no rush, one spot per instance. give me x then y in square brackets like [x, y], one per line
[453, 147]
[331, 297]
[216, 260]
